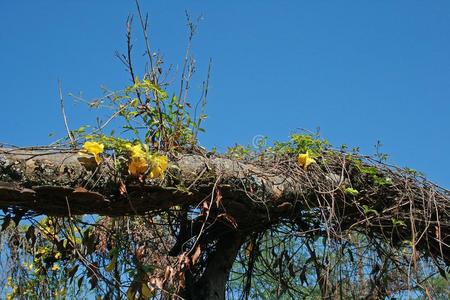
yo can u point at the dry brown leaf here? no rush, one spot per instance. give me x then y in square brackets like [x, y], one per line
[140, 252]
[228, 220]
[205, 208]
[80, 190]
[168, 273]
[438, 232]
[159, 283]
[181, 280]
[122, 188]
[196, 254]
[249, 249]
[218, 198]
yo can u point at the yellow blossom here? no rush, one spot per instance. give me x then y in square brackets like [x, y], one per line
[305, 160]
[159, 165]
[58, 255]
[95, 149]
[55, 267]
[136, 150]
[137, 166]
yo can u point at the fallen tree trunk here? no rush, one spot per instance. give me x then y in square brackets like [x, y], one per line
[238, 198]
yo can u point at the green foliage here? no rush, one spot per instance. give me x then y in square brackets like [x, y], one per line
[411, 172]
[368, 210]
[351, 192]
[372, 171]
[382, 181]
[152, 117]
[240, 152]
[397, 222]
[302, 143]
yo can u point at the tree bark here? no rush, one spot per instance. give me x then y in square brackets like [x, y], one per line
[212, 283]
[62, 183]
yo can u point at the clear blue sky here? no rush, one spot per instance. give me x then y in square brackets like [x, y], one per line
[361, 70]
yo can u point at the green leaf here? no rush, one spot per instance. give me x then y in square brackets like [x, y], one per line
[351, 191]
[369, 170]
[382, 181]
[397, 222]
[368, 210]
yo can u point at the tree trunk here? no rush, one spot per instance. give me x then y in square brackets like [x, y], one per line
[211, 285]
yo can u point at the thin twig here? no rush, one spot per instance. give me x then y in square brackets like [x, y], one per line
[69, 133]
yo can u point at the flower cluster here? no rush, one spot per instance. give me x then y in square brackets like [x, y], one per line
[141, 161]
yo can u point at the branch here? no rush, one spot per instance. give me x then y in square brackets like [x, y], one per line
[250, 197]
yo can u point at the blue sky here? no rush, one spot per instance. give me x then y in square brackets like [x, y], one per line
[362, 71]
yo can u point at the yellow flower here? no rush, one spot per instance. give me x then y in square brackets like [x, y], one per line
[95, 149]
[136, 150]
[58, 255]
[305, 160]
[159, 165]
[138, 165]
[55, 267]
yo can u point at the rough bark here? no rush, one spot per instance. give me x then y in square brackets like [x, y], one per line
[60, 183]
[212, 283]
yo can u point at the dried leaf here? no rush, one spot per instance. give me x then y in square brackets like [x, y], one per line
[80, 190]
[196, 254]
[181, 280]
[205, 205]
[122, 188]
[112, 265]
[147, 292]
[249, 249]
[131, 293]
[228, 220]
[218, 198]
[159, 283]
[167, 275]
[140, 252]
